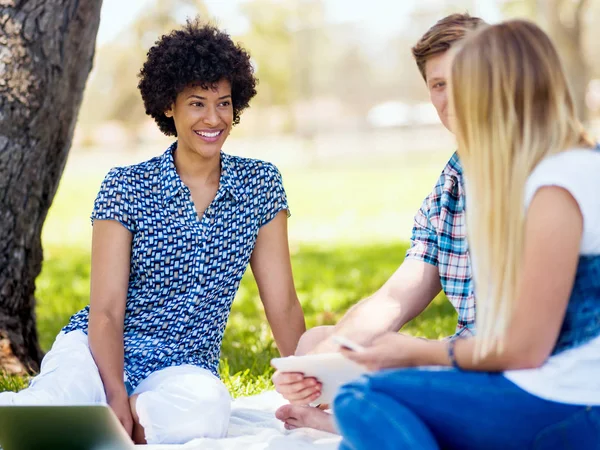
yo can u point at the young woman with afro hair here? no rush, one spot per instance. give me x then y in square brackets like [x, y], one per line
[172, 237]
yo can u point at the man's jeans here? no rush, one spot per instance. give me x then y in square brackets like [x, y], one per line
[449, 409]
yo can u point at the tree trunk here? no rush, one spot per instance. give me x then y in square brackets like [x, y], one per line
[46, 52]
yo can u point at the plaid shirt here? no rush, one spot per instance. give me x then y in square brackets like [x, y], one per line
[439, 238]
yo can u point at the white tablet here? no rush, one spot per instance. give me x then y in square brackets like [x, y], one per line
[332, 370]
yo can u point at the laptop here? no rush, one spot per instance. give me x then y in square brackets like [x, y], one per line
[93, 427]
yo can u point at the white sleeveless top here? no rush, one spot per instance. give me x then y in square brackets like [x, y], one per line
[572, 376]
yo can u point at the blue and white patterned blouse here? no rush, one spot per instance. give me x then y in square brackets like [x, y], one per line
[185, 270]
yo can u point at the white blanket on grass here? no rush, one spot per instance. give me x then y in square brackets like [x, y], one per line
[253, 426]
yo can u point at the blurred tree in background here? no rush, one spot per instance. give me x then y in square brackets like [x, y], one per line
[317, 76]
[271, 41]
[565, 21]
[112, 94]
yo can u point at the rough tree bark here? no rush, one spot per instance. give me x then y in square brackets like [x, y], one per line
[46, 52]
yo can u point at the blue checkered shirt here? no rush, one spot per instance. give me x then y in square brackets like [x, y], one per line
[185, 269]
[439, 238]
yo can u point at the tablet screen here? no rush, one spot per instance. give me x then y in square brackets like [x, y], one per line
[331, 369]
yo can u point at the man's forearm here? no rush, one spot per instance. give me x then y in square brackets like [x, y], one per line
[404, 296]
[367, 319]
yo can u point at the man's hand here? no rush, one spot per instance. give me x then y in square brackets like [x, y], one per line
[295, 388]
[326, 346]
[120, 406]
[390, 350]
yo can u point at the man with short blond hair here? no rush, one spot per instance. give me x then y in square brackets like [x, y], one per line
[437, 259]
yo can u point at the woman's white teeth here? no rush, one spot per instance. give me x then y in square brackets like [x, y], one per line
[207, 134]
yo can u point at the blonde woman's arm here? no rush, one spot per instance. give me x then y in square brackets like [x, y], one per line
[553, 232]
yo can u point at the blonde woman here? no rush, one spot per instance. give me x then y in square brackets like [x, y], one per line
[531, 376]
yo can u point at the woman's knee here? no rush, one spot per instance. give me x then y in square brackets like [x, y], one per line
[351, 393]
[354, 397]
[370, 418]
[313, 337]
[68, 376]
[177, 413]
[353, 416]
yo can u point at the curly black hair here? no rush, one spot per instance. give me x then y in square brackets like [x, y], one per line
[198, 54]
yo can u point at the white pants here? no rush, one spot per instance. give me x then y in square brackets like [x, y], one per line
[175, 405]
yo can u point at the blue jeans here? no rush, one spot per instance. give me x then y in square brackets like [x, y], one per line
[450, 409]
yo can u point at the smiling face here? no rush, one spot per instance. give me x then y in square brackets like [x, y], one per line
[203, 118]
[437, 73]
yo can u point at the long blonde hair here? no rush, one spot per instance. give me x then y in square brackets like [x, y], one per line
[512, 107]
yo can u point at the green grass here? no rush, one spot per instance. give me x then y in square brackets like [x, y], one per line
[12, 383]
[340, 204]
[328, 280]
[347, 233]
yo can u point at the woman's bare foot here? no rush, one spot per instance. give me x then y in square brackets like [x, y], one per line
[295, 416]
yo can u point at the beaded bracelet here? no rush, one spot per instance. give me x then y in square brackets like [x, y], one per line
[451, 355]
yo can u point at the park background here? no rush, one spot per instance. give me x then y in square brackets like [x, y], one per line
[342, 111]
